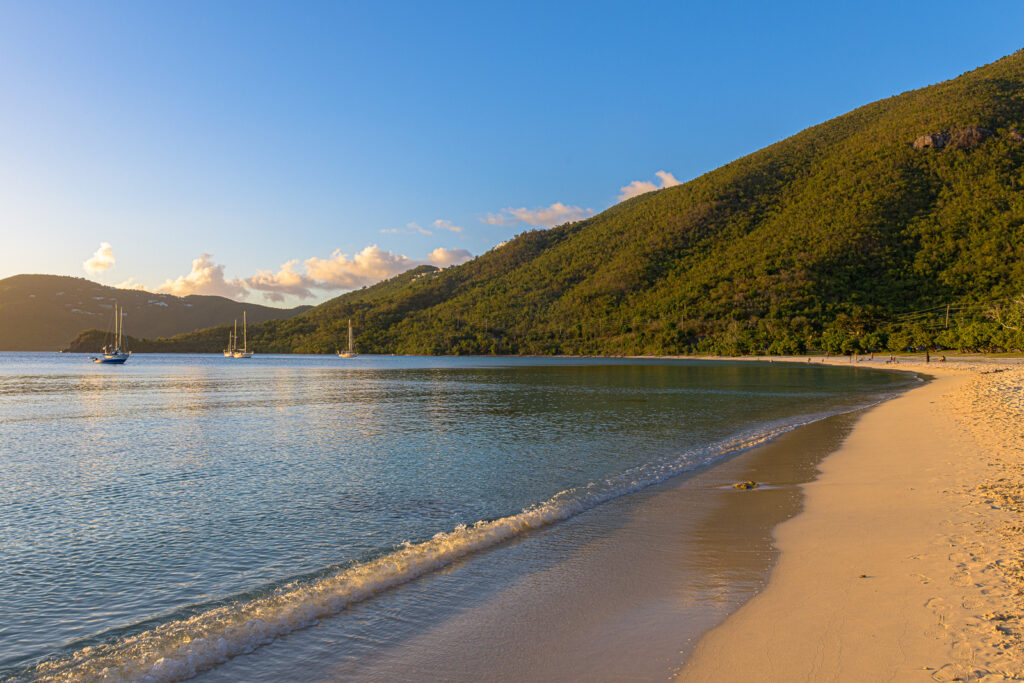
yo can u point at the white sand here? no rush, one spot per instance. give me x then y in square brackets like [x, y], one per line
[908, 561]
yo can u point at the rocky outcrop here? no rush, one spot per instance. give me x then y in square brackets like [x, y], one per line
[931, 140]
[957, 138]
[970, 136]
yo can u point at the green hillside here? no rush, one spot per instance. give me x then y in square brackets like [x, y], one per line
[43, 312]
[855, 234]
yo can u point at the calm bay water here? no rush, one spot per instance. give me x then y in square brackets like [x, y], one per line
[160, 518]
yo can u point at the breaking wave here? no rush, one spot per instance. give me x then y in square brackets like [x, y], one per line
[183, 647]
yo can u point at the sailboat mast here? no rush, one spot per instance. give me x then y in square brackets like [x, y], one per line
[245, 339]
[350, 345]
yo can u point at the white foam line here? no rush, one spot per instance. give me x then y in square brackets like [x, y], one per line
[180, 649]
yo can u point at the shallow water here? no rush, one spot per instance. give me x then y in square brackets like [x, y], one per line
[160, 518]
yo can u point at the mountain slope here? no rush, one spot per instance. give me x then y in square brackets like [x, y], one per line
[841, 237]
[43, 312]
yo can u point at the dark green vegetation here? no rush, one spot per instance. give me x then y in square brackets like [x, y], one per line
[855, 234]
[42, 312]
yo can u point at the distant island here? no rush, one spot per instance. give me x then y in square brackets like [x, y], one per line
[895, 226]
[44, 312]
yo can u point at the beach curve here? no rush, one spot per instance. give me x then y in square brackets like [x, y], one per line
[905, 563]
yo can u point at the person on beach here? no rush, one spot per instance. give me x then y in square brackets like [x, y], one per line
[927, 356]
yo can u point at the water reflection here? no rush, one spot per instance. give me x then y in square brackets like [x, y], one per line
[129, 495]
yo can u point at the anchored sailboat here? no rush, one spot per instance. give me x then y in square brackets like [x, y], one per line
[351, 352]
[229, 352]
[115, 354]
[243, 352]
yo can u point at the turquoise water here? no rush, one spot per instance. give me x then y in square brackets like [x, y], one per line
[161, 518]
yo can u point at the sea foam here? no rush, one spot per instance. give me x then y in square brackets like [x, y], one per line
[181, 648]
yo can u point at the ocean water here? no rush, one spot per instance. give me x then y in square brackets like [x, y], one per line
[173, 516]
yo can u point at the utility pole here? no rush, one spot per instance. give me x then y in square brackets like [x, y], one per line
[947, 316]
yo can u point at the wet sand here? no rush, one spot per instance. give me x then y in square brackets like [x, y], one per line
[906, 564]
[630, 603]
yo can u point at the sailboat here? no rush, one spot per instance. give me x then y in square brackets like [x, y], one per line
[229, 352]
[243, 352]
[114, 354]
[351, 352]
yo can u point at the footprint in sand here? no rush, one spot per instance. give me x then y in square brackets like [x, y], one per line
[961, 580]
[948, 672]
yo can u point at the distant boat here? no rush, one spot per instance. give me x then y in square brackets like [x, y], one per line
[114, 354]
[351, 352]
[243, 352]
[229, 352]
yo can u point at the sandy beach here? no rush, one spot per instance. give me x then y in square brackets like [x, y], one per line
[907, 562]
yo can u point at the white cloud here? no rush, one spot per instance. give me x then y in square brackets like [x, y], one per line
[548, 216]
[635, 189]
[443, 224]
[131, 283]
[285, 281]
[639, 187]
[338, 272]
[410, 229]
[368, 266]
[667, 179]
[442, 258]
[101, 260]
[341, 271]
[206, 277]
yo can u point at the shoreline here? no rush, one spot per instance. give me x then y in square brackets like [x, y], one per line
[637, 583]
[905, 562]
[621, 591]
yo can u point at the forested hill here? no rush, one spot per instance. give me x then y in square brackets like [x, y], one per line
[43, 312]
[854, 234]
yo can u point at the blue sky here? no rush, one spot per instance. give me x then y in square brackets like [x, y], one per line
[348, 140]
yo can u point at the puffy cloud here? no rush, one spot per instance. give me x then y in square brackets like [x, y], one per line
[370, 265]
[443, 224]
[442, 258]
[667, 179]
[338, 272]
[131, 283]
[285, 281]
[635, 189]
[366, 267]
[548, 216]
[206, 277]
[639, 187]
[101, 260]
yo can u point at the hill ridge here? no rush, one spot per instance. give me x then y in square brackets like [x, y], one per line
[44, 312]
[818, 242]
